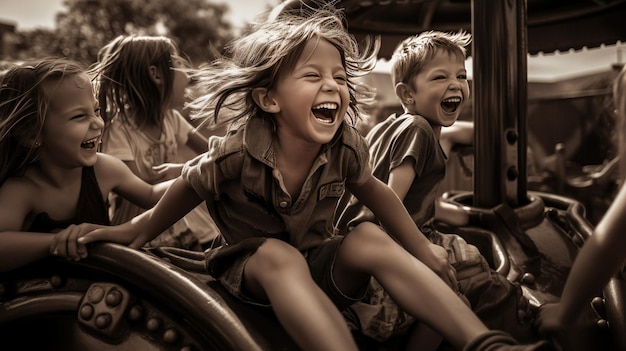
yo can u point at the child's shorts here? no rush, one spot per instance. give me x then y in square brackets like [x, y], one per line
[377, 315]
[227, 263]
[380, 318]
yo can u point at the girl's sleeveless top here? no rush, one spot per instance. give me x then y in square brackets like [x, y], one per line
[91, 208]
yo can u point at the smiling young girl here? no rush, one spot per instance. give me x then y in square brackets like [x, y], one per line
[272, 184]
[51, 176]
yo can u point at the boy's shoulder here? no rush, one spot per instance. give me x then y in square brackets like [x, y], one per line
[397, 125]
[411, 120]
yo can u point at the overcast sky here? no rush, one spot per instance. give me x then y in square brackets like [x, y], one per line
[29, 14]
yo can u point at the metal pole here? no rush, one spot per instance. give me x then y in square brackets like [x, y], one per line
[500, 99]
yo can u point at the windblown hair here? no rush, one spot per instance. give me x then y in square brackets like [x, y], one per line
[619, 96]
[270, 51]
[122, 79]
[414, 52]
[23, 108]
[619, 102]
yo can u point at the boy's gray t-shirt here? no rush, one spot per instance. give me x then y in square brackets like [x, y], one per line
[391, 142]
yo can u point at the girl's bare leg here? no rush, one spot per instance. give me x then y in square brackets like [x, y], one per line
[279, 273]
[412, 285]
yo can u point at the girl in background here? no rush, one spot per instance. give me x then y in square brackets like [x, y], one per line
[140, 83]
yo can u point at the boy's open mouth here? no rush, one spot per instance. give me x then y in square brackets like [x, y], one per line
[451, 104]
[325, 113]
[89, 144]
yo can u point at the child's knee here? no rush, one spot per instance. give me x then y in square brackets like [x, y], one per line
[274, 256]
[368, 236]
[367, 242]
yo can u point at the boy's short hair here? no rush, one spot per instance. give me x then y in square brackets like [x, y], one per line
[414, 52]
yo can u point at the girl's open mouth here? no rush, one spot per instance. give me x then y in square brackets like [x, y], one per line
[325, 113]
[90, 144]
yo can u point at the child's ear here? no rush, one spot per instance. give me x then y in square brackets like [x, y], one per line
[155, 75]
[263, 99]
[404, 93]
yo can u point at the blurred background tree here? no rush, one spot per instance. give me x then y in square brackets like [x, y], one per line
[197, 26]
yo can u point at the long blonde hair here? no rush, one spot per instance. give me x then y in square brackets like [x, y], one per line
[123, 83]
[23, 108]
[619, 101]
[271, 49]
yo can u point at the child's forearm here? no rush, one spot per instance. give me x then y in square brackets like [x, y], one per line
[20, 248]
[197, 142]
[591, 271]
[601, 257]
[178, 200]
[159, 190]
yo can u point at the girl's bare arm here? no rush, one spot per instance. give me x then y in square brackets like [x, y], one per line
[17, 247]
[601, 256]
[114, 175]
[197, 142]
[178, 200]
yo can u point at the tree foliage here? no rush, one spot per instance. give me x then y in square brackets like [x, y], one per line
[197, 26]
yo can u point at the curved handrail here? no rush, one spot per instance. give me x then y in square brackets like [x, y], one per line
[203, 306]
